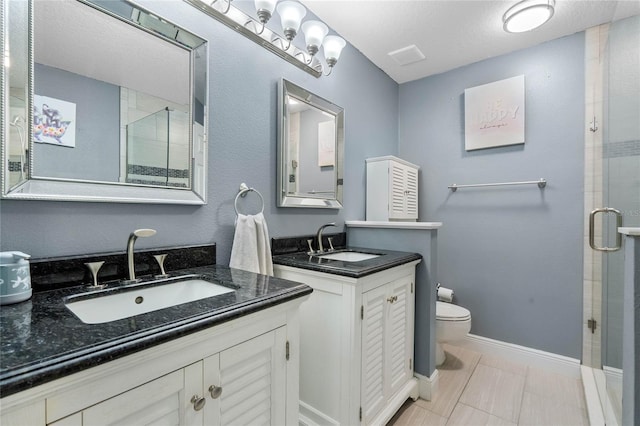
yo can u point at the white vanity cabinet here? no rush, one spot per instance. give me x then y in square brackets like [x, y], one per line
[392, 189]
[356, 353]
[241, 372]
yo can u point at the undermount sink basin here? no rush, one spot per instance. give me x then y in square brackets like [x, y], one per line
[136, 301]
[349, 256]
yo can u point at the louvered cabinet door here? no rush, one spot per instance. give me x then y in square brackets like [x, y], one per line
[403, 191]
[252, 379]
[158, 402]
[411, 193]
[372, 391]
[399, 334]
[397, 195]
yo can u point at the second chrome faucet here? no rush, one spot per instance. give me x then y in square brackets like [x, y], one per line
[319, 236]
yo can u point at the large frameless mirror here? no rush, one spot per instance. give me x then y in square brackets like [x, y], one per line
[102, 101]
[310, 149]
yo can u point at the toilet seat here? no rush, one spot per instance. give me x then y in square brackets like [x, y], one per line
[450, 312]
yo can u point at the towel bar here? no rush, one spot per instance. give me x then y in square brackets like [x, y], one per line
[541, 184]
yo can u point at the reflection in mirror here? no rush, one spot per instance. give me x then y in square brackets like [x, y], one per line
[117, 98]
[15, 77]
[311, 147]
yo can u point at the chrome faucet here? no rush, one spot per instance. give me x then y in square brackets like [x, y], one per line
[319, 236]
[130, 243]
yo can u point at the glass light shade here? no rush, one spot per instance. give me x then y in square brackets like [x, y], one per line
[333, 46]
[314, 33]
[291, 14]
[527, 15]
[267, 5]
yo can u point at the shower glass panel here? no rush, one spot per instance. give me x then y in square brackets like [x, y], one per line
[621, 189]
[158, 149]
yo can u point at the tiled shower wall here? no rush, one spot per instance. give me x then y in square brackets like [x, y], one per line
[595, 46]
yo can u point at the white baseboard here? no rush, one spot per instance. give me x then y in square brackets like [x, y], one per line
[521, 354]
[428, 386]
[614, 376]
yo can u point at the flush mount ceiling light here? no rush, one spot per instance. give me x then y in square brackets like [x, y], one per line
[527, 15]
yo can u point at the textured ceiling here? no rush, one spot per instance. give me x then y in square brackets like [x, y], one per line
[451, 33]
[74, 37]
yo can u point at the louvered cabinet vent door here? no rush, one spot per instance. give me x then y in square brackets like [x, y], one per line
[397, 191]
[156, 402]
[399, 348]
[252, 377]
[411, 188]
[373, 383]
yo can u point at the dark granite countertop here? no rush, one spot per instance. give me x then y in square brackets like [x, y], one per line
[386, 260]
[41, 340]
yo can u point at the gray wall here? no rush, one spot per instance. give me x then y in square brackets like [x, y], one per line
[96, 155]
[242, 148]
[513, 255]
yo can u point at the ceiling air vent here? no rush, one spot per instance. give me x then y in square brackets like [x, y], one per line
[407, 55]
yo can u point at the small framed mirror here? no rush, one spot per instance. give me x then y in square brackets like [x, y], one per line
[310, 149]
[102, 101]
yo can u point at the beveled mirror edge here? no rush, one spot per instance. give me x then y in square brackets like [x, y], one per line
[6, 19]
[61, 190]
[284, 200]
[71, 190]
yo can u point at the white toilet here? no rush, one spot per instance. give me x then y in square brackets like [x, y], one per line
[453, 323]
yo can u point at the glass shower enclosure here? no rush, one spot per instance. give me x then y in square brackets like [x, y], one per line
[157, 149]
[615, 174]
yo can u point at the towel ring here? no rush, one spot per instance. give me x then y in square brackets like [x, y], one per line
[243, 191]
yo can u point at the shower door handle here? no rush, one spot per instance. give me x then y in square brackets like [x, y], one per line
[592, 217]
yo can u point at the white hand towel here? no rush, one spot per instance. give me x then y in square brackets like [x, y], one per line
[251, 250]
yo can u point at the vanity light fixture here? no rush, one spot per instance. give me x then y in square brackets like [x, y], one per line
[527, 15]
[291, 15]
[333, 46]
[264, 10]
[314, 34]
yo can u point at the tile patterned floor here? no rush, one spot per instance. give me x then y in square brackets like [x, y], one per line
[478, 390]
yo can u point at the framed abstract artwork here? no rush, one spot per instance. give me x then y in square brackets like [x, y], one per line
[54, 121]
[494, 114]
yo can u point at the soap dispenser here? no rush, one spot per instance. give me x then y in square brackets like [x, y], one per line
[15, 277]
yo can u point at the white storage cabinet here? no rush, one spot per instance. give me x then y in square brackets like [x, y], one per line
[356, 345]
[392, 189]
[242, 372]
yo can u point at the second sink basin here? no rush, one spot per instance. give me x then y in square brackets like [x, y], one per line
[349, 256]
[136, 301]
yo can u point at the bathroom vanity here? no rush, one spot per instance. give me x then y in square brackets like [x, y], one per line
[357, 338]
[229, 359]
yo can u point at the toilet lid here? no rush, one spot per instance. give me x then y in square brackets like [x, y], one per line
[450, 312]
